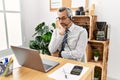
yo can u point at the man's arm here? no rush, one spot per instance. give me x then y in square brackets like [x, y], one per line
[55, 42]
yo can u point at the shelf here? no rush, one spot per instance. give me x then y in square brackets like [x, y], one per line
[98, 63]
[84, 16]
[87, 21]
[100, 42]
[82, 23]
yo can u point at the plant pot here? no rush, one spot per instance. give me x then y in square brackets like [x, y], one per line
[96, 78]
[96, 58]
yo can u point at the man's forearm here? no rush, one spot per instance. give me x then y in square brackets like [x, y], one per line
[55, 43]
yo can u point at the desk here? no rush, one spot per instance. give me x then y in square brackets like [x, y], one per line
[24, 73]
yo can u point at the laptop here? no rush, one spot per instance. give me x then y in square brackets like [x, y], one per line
[31, 58]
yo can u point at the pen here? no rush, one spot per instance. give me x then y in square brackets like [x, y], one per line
[65, 73]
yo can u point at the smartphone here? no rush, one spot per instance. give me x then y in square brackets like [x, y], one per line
[76, 70]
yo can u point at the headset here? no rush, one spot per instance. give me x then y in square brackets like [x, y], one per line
[69, 13]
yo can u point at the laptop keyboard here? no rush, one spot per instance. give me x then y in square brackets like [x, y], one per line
[46, 66]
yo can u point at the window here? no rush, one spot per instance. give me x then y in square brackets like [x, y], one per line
[10, 24]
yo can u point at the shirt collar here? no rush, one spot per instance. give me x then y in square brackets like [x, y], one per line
[71, 27]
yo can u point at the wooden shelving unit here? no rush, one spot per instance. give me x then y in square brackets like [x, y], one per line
[86, 21]
[89, 22]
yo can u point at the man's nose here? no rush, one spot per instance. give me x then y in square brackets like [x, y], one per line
[60, 20]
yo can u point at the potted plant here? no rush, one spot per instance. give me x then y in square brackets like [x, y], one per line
[96, 75]
[42, 37]
[96, 54]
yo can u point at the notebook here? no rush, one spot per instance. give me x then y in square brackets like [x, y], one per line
[30, 58]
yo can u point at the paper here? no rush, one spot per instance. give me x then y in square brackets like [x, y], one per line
[56, 3]
[77, 3]
[66, 69]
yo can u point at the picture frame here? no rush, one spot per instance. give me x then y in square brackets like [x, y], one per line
[73, 4]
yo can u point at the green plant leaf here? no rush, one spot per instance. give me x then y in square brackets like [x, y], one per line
[42, 38]
[97, 74]
[53, 24]
[39, 26]
[33, 45]
[47, 36]
[96, 53]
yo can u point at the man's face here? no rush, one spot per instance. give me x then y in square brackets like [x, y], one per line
[63, 19]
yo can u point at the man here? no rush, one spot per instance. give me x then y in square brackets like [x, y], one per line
[75, 46]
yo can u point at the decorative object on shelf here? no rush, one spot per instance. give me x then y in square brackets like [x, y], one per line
[101, 31]
[87, 12]
[96, 75]
[92, 10]
[96, 54]
[77, 12]
[42, 36]
[81, 8]
[80, 11]
[100, 35]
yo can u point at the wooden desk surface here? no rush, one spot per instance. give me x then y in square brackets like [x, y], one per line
[24, 73]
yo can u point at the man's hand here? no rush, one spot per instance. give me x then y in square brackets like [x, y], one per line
[61, 29]
[56, 54]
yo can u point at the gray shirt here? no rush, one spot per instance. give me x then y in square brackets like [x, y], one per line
[77, 42]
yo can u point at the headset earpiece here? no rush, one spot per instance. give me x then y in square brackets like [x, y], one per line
[70, 17]
[69, 13]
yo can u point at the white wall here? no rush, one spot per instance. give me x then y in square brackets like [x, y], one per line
[36, 11]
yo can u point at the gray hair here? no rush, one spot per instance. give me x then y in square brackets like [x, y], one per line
[68, 10]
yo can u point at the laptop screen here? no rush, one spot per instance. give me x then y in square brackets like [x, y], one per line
[31, 58]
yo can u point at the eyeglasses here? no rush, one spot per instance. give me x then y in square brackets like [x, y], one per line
[62, 18]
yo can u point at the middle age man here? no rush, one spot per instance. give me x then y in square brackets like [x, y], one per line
[76, 41]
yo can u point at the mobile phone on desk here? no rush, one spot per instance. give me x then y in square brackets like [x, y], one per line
[76, 70]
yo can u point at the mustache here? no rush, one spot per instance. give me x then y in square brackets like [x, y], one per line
[63, 24]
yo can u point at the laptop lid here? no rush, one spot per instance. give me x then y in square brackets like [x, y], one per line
[30, 58]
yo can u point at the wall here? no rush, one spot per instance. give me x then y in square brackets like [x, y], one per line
[36, 11]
